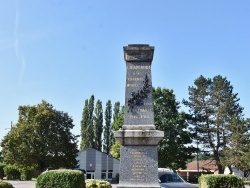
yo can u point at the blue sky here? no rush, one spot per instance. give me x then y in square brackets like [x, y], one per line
[65, 51]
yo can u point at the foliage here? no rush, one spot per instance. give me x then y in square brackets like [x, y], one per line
[41, 138]
[12, 172]
[237, 152]
[176, 136]
[2, 165]
[108, 134]
[98, 125]
[92, 125]
[118, 118]
[115, 150]
[26, 173]
[212, 106]
[220, 181]
[61, 178]
[1, 157]
[87, 127]
[4, 184]
[90, 183]
[246, 181]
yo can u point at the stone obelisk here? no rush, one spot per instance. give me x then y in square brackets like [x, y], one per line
[138, 136]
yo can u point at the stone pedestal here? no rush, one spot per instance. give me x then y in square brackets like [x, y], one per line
[138, 137]
[139, 158]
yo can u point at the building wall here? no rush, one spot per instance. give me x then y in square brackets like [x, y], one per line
[235, 171]
[98, 165]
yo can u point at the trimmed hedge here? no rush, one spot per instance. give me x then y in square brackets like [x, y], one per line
[220, 181]
[1, 170]
[246, 181]
[4, 184]
[61, 178]
[90, 183]
[12, 172]
[26, 173]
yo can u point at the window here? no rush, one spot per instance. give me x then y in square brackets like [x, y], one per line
[103, 174]
[110, 174]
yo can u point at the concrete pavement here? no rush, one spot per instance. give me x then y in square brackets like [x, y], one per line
[32, 184]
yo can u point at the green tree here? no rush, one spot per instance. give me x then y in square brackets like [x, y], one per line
[98, 125]
[118, 116]
[85, 136]
[212, 105]
[107, 137]
[1, 157]
[87, 124]
[173, 151]
[41, 138]
[237, 151]
[115, 150]
[117, 124]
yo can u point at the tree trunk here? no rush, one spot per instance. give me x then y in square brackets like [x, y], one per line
[231, 170]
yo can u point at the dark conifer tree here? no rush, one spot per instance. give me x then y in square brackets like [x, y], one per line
[212, 107]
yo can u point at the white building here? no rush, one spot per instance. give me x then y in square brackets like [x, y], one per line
[236, 171]
[97, 164]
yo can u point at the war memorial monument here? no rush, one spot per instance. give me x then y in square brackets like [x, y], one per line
[138, 136]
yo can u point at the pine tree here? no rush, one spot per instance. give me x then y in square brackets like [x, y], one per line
[237, 150]
[98, 125]
[212, 106]
[107, 137]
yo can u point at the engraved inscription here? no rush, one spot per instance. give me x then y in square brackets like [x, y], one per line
[138, 168]
[148, 67]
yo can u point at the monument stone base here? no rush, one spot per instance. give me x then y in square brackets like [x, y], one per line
[139, 158]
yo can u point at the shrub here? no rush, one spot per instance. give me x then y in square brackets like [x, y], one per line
[26, 173]
[61, 178]
[11, 172]
[97, 183]
[1, 170]
[246, 181]
[4, 184]
[220, 181]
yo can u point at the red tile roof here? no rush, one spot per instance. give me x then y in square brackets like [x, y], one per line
[204, 165]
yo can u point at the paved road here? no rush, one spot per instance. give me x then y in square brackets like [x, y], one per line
[23, 184]
[32, 184]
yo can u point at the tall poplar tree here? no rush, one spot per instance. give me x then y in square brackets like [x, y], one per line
[98, 125]
[212, 106]
[87, 127]
[84, 124]
[91, 121]
[107, 137]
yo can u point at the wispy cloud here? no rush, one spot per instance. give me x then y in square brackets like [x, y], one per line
[18, 50]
